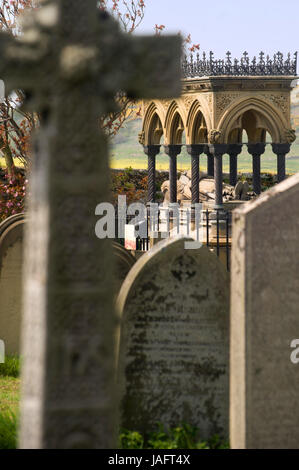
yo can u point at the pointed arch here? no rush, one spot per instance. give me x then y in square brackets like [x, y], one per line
[175, 124]
[197, 128]
[153, 124]
[266, 116]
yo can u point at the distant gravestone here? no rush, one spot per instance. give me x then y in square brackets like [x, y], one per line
[265, 320]
[11, 267]
[11, 258]
[173, 355]
[124, 261]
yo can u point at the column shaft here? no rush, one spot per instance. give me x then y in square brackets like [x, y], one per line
[172, 151]
[218, 180]
[151, 151]
[256, 170]
[195, 150]
[281, 167]
[281, 150]
[233, 169]
[173, 178]
[217, 150]
[256, 150]
[195, 162]
[210, 164]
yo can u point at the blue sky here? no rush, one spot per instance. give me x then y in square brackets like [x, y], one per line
[234, 25]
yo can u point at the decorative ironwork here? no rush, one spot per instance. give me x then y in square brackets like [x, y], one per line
[208, 66]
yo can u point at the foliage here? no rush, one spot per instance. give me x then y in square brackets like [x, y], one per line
[12, 194]
[8, 430]
[129, 183]
[11, 367]
[183, 436]
[15, 124]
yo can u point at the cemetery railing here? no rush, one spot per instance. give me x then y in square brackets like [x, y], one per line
[216, 232]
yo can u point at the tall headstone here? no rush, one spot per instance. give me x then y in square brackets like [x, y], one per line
[173, 354]
[264, 411]
[71, 60]
[11, 261]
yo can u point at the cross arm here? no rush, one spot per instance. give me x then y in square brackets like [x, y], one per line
[152, 67]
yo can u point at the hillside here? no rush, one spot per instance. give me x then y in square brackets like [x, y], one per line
[126, 151]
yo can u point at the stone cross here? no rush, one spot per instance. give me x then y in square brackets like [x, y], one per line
[70, 62]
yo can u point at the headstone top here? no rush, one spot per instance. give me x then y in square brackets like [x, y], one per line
[173, 355]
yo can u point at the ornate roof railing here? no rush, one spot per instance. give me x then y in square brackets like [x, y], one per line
[208, 66]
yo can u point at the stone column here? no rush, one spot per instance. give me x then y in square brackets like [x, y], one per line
[217, 150]
[151, 151]
[172, 151]
[195, 150]
[281, 150]
[256, 150]
[233, 151]
[210, 161]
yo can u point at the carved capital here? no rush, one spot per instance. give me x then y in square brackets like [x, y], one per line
[172, 150]
[290, 136]
[218, 149]
[256, 149]
[141, 137]
[151, 150]
[234, 149]
[195, 149]
[214, 136]
[281, 149]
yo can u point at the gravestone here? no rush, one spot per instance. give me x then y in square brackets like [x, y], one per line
[71, 60]
[264, 320]
[124, 261]
[11, 259]
[11, 266]
[173, 354]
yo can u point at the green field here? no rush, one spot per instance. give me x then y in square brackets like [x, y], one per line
[126, 151]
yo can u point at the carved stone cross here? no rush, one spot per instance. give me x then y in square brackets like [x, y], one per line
[71, 61]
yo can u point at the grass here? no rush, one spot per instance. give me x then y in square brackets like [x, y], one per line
[183, 436]
[8, 430]
[9, 401]
[9, 394]
[11, 367]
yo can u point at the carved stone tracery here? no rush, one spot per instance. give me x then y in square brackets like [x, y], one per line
[223, 100]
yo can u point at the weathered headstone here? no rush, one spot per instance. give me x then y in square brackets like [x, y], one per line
[173, 355]
[123, 262]
[11, 259]
[11, 267]
[71, 60]
[264, 320]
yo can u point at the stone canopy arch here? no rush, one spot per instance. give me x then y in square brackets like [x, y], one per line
[175, 123]
[153, 128]
[198, 124]
[266, 116]
[220, 100]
